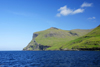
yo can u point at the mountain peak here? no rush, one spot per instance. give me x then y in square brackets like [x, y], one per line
[53, 28]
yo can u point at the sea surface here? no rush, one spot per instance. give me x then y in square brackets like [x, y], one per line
[49, 58]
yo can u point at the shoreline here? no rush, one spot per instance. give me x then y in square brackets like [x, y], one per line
[60, 50]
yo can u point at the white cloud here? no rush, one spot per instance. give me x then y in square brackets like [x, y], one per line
[66, 11]
[86, 4]
[78, 11]
[91, 18]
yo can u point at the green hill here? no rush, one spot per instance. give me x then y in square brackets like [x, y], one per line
[90, 41]
[53, 38]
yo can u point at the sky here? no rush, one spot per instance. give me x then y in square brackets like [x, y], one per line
[19, 19]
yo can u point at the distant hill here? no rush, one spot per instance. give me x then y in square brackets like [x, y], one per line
[54, 38]
[90, 41]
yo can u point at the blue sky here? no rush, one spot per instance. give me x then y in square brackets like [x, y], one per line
[19, 19]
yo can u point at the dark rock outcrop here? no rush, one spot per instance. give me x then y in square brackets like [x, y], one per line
[42, 47]
[89, 49]
[73, 33]
[35, 35]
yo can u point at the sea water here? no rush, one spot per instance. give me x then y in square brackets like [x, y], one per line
[49, 58]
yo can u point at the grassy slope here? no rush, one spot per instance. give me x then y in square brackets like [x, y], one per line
[31, 46]
[58, 38]
[90, 40]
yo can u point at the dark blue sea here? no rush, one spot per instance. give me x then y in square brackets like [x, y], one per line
[49, 58]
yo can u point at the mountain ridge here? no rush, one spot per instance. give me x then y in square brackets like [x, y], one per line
[53, 38]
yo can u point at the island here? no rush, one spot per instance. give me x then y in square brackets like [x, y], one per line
[58, 39]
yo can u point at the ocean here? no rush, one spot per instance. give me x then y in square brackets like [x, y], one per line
[49, 58]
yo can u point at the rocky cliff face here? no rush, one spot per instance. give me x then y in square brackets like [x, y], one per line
[33, 45]
[35, 35]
